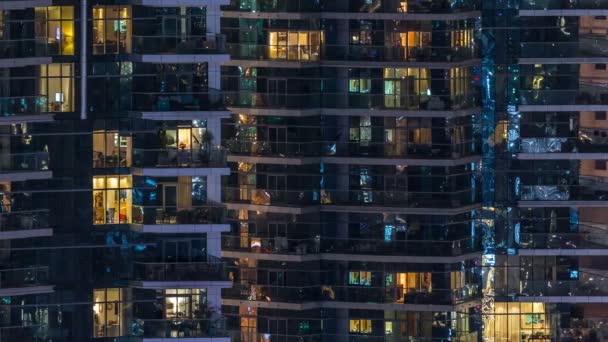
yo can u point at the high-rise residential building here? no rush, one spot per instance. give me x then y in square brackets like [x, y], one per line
[110, 171]
[303, 170]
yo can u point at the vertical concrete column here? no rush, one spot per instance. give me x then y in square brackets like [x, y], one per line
[214, 297]
[214, 244]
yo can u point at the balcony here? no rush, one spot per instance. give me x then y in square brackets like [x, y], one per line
[357, 198]
[563, 5]
[24, 280]
[354, 149]
[370, 53]
[177, 102]
[24, 166]
[588, 96]
[284, 246]
[179, 45]
[584, 194]
[403, 102]
[581, 243]
[169, 220]
[397, 53]
[23, 333]
[387, 6]
[361, 295]
[24, 224]
[161, 275]
[214, 156]
[587, 46]
[18, 109]
[588, 285]
[24, 52]
[151, 329]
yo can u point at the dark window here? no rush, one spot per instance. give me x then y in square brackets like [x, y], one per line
[600, 17]
[600, 165]
[600, 115]
[600, 67]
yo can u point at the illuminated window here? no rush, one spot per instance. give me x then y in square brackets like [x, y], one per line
[111, 29]
[360, 326]
[462, 38]
[54, 28]
[112, 199]
[295, 45]
[56, 85]
[405, 87]
[413, 43]
[185, 303]
[360, 278]
[388, 328]
[460, 84]
[110, 149]
[107, 313]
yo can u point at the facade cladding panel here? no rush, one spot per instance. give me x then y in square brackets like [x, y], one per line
[303, 170]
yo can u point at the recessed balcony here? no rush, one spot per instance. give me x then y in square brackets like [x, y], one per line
[18, 109]
[590, 284]
[174, 275]
[170, 220]
[25, 166]
[18, 281]
[179, 45]
[181, 329]
[24, 224]
[309, 101]
[321, 294]
[368, 150]
[180, 161]
[349, 246]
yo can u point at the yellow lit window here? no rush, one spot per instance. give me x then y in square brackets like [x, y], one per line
[295, 45]
[110, 149]
[360, 326]
[462, 38]
[185, 303]
[56, 86]
[54, 28]
[112, 199]
[111, 29]
[388, 328]
[405, 87]
[107, 313]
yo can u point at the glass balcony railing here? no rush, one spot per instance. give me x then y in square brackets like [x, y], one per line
[179, 327]
[587, 94]
[181, 45]
[581, 240]
[364, 149]
[358, 6]
[179, 271]
[23, 105]
[564, 193]
[24, 220]
[213, 156]
[23, 333]
[587, 46]
[19, 162]
[24, 276]
[245, 336]
[564, 5]
[283, 245]
[359, 294]
[588, 284]
[208, 214]
[411, 199]
[588, 141]
[397, 53]
[420, 101]
[377, 53]
[166, 102]
[25, 48]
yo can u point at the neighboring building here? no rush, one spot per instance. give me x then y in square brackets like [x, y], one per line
[111, 171]
[303, 170]
[355, 149]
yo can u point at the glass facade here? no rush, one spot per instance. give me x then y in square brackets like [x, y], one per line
[303, 170]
